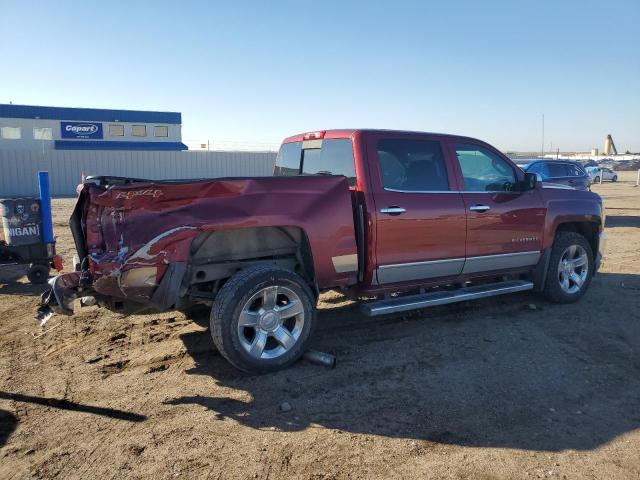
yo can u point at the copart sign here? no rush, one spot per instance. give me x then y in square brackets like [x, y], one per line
[81, 130]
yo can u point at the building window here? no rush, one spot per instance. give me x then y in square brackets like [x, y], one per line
[11, 133]
[139, 130]
[116, 130]
[160, 131]
[44, 133]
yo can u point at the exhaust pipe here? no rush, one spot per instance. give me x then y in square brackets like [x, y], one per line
[320, 358]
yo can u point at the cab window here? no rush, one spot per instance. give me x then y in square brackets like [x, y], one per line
[288, 160]
[575, 170]
[332, 157]
[539, 168]
[483, 170]
[557, 170]
[409, 165]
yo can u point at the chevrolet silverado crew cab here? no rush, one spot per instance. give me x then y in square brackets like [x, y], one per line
[405, 219]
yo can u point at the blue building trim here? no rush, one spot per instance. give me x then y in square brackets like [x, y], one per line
[122, 145]
[88, 114]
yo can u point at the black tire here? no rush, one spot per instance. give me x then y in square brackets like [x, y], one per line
[553, 289]
[596, 180]
[615, 178]
[38, 273]
[236, 293]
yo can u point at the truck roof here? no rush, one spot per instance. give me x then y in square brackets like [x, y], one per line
[348, 132]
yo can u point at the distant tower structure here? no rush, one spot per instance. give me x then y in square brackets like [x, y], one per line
[609, 146]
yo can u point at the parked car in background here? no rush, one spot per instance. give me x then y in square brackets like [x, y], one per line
[607, 174]
[561, 172]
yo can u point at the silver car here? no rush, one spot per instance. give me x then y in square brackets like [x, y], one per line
[606, 173]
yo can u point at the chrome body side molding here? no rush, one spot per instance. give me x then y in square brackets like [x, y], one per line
[502, 261]
[403, 272]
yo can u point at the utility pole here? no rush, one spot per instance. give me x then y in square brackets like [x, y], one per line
[542, 149]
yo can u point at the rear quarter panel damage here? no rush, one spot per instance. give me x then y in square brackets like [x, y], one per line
[134, 232]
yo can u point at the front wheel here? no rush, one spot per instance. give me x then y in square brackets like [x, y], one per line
[615, 178]
[570, 268]
[596, 180]
[262, 319]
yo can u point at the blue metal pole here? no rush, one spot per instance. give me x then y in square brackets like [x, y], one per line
[45, 207]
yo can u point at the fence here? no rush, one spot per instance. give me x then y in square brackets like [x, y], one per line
[18, 169]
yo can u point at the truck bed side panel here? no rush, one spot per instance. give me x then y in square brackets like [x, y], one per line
[133, 232]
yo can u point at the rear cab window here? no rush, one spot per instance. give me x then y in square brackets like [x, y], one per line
[332, 156]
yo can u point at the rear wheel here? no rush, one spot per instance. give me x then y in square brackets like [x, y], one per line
[570, 268]
[596, 180]
[262, 319]
[38, 273]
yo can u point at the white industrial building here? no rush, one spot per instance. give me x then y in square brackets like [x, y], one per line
[72, 143]
[28, 127]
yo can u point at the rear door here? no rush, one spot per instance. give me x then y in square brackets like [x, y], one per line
[608, 174]
[420, 217]
[504, 225]
[578, 178]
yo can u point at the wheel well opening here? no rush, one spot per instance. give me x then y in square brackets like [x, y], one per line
[589, 230]
[216, 256]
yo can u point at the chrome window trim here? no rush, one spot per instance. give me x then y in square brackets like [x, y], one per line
[450, 191]
[420, 191]
[557, 186]
[491, 191]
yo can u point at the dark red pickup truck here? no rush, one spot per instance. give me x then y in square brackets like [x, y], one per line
[409, 219]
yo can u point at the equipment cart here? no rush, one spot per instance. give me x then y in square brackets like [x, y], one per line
[28, 233]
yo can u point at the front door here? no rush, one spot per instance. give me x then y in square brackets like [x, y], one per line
[420, 218]
[504, 225]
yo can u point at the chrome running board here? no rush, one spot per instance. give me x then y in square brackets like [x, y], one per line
[413, 302]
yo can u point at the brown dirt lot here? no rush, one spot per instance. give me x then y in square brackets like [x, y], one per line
[483, 390]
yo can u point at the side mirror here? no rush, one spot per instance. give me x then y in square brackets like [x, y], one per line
[531, 181]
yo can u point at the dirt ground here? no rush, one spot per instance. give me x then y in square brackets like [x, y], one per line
[485, 390]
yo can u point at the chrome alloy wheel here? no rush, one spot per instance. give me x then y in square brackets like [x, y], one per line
[573, 269]
[271, 322]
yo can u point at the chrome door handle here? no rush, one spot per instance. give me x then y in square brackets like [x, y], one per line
[393, 210]
[479, 208]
